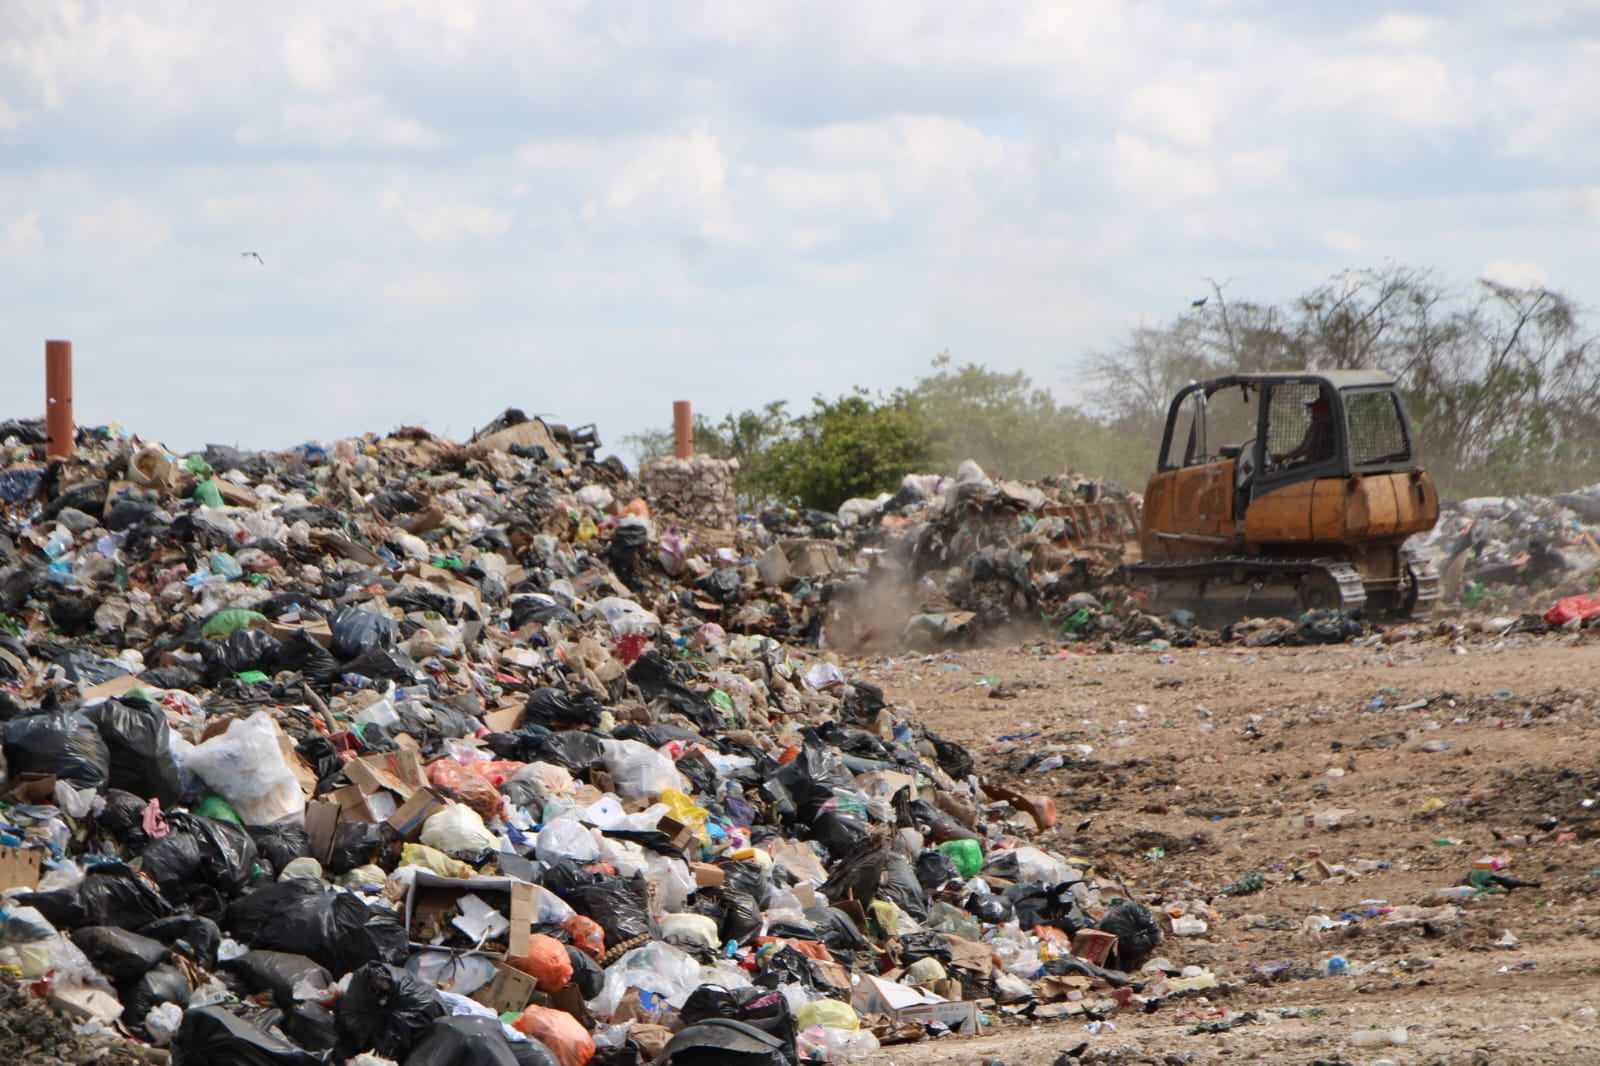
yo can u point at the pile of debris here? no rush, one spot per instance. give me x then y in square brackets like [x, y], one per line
[437, 753]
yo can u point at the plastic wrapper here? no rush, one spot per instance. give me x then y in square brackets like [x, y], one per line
[834, 1046]
[246, 767]
[434, 861]
[828, 1013]
[559, 1031]
[65, 743]
[385, 1009]
[450, 971]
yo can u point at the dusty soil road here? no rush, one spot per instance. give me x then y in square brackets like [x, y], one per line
[1184, 769]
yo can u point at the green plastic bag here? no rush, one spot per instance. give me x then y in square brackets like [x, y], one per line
[227, 623]
[214, 806]
[207, 493]
[966, 854]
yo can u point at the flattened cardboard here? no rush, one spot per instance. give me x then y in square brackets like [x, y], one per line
[117, 686]
[398, 771]
[20, 867]
[509, 991]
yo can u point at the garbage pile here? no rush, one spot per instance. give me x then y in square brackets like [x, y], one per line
[432, 754]
[1495, 553]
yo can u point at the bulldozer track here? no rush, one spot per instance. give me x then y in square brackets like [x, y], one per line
[1346, 578]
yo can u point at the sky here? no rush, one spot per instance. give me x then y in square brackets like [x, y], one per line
[590, 210]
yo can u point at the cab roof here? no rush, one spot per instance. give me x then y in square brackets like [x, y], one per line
[1337, 379]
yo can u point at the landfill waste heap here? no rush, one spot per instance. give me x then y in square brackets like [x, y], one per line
[411, 751]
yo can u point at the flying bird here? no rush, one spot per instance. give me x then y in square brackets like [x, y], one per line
[253, 255]
[1200, 302]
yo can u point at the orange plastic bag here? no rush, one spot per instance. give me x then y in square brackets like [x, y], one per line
[465, 785]
[546, 962]
[498, 771]
[559, 1031]
[587, 935]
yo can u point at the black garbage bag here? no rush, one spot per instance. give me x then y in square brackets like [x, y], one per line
[199, 850]
[238, 653]
[320, 754]
[84, 668]
[139, 749]
[158, 985]
[112, 894]
[724, 1042]
[431, 722]
[120, 955]
[914, 947]
[305, 917]
[786, 966]
[1138, 935]
[1041, 903]
[621, 906]
[953, 759]
[652, 672]
[123, 817]
[63, 742]
[312, 1026]
[211, 1036]
[536, 607]
[177, 677]
[61, 907]
[532, 1052]
[586, 973]
[384, 665]
[750, 878]
[857, 875]
[279, 844]
[277, 972]
[764, 1009]
[354, 844]
[741, 919]
[385, 1009]
[463, 1041]
[623, 1054]
[722, 585]
[836, 929]
[305, 655]
[190, 935]
[935, 869]
[553, 708]
[900, 887]
[357, 630]
[991, 909]
[912, 812]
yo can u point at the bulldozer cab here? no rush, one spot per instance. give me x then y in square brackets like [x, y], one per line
[1265, 431]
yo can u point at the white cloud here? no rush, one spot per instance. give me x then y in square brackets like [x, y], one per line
[121, 229]
[340, 123]
[20, 236]
[1519, 273]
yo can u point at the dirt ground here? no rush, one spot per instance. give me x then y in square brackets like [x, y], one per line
[1184, 769]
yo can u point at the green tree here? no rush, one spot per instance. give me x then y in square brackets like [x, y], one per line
[855, 445]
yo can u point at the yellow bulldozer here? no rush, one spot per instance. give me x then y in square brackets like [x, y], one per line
[1280, 493]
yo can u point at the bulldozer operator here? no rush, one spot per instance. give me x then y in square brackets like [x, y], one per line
[1320, 441]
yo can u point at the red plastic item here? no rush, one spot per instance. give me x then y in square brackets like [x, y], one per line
[1573, 608]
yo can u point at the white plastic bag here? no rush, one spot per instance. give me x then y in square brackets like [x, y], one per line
[566, 839]
[246, 767]
[656, 967]
[640, 772]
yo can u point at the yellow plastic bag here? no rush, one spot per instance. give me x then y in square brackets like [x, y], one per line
[433, 860]
[828, 1013]
[683, 809]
